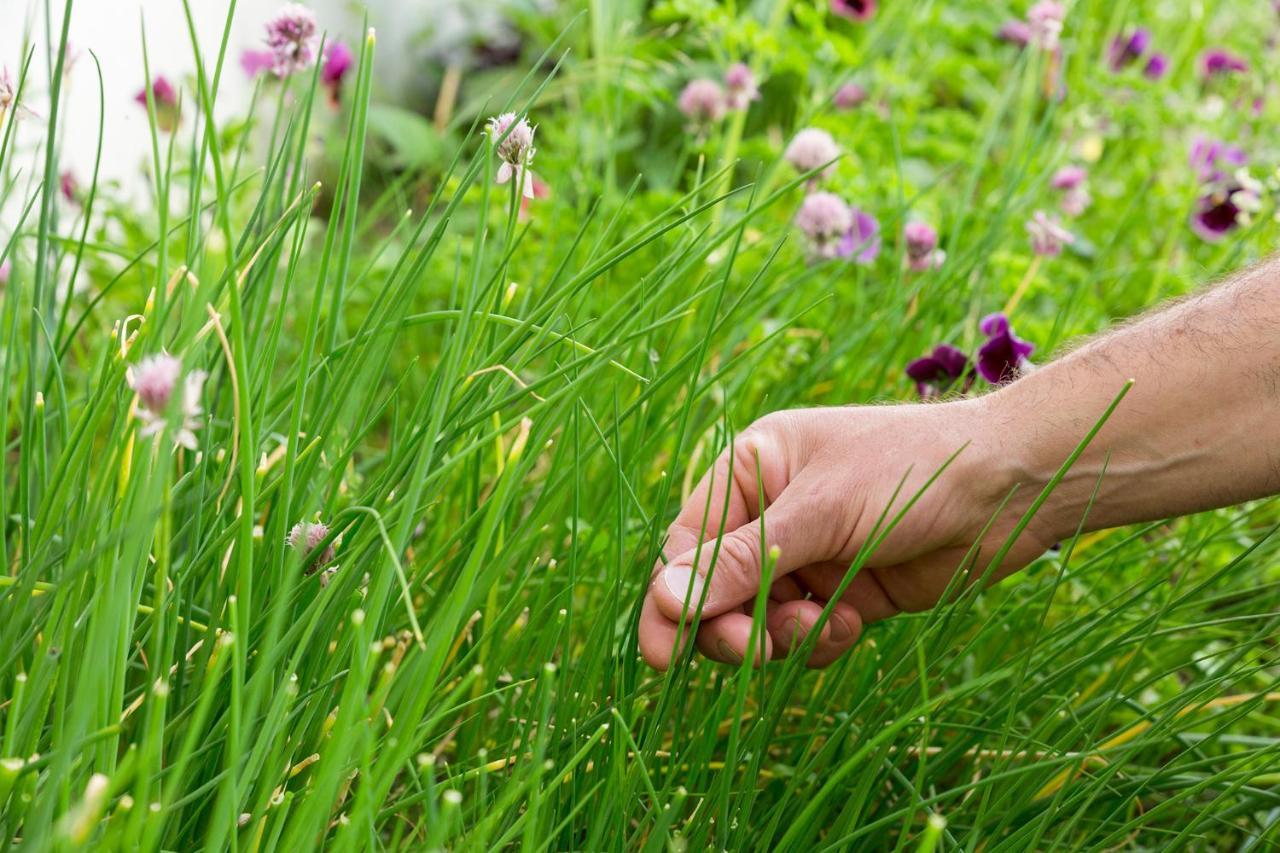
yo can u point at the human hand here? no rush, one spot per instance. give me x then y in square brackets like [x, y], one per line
[827, 477]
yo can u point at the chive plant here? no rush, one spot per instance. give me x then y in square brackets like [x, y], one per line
[326, 520]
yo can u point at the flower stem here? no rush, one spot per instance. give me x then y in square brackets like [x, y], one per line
[1023, 285]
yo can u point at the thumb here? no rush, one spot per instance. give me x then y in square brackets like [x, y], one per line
[729, 571]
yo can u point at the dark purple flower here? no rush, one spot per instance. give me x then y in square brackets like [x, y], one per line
[1216, 62]
[1015, 32]
[854, 10]
[937, 372]
[1004, 356]
[337, 63]
[862, 241]
[1126, 50]
[1157, 66]
[1226, 207]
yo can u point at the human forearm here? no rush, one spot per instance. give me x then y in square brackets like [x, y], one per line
[1200, 428]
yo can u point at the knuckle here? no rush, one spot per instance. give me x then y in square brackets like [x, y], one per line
[738, 559]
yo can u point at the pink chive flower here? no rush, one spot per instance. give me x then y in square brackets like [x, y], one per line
[812, 148]
[922, 247]
[69, 187]
[255, 62]
[849, 96]
[165, 97]
[1216, 62]
[824, 219]
[1047, 234]
[1015, 32]
[703, 103]
[338, 61]
[154, 379]
[741, 86]
[292, 36]
[305, 536]
[1072, 182]
[512, 137]
[854, 10]
[1044, 21]
[861, 242]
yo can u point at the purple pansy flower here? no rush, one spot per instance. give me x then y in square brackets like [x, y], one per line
[1004, 356]
[1126, 50]
[862, 241]
[1213, 159]
[1157, 66]
[1227, 206]
[936, 373]
[854, 10]
[1216, 62]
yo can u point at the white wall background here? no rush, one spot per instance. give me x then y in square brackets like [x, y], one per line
[112, 29]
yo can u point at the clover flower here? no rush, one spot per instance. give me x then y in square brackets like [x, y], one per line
[922, 247]
[1128, 49]
[741, 86]
[154, 380]
[515, 150]
[812, 148]
[862, 241]
[1015, 32]
[703, 103]
[1044, 22]
[1157, 66]
[1072, 181]
[1047, 234]
[165, 98]
[936, 373]
[1003, 357]
[825, 219]
[292, 36]
[1218, 62]
[854, 10]
[304, 537]
[338, 61]
[849, 96]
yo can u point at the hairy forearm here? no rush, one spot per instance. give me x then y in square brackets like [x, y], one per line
[1200, 427]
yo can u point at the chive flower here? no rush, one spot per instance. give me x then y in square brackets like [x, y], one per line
[824, 219]
[8, 94]
[938, 372]
[854, 10]
[741, 86]
[703, 103]
[1157, 66]
[861, 242]
[165, 97]
[69, 187]
[154, 379]
[849, 96]
[812, 148]
[6, 269]
[1072, 182]
[1015, 32]
[922, 252]
[1218, 62]
[304, 537]
[515, 150]
[1044, 23]
[1128, 49]
[1003, 357]
[292, 36]
[1047, 234]
[338, 61]
[254, 62]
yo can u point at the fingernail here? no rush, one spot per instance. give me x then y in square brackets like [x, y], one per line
[728, 653]
[678, 579]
